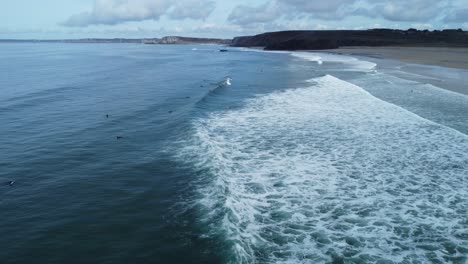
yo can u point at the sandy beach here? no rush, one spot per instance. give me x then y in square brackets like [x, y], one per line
[444, 57]
[445, 68]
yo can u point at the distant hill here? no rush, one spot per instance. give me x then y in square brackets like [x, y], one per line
[87, 40]
[308, 39]
[164, 40]
[186, 40]
[332, 39]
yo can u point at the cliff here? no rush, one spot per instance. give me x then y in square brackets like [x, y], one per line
[332, 39]
[310, 40]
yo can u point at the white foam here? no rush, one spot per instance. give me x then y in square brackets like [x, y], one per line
[352, 64]
[263, 51]
[303, 175]
[228, 81]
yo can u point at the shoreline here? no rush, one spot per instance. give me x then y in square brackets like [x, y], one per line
[456, 58]
[446, 68]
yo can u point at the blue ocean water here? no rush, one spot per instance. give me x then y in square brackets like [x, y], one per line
[125, 153]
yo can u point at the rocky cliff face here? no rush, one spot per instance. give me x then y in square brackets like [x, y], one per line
[331, 39]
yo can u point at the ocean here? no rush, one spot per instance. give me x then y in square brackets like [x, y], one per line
[128, 153]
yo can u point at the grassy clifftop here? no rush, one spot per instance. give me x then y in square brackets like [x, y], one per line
[331, 39]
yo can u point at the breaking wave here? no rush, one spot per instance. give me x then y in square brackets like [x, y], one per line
[331, 173]
[351, 63]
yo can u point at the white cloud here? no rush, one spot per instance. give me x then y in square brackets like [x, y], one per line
[276, 9]
[244, 15]
[112, 12]
[193, 9]
[422, 26]
[410, 10]
[318, 7]
[218, 18]
[422, 11]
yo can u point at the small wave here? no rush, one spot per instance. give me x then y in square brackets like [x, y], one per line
[354, 64]
[329, 172]
[226, 82]
[213, 87]
[35, 99]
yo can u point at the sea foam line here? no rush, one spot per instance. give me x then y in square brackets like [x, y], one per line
[319, 57]
[330, 172]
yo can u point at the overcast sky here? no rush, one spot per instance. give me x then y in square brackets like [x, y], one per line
[55, 19]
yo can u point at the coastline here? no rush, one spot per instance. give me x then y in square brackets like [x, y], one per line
[446, 68]
[444, 57]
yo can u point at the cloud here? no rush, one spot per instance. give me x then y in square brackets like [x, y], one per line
[271, 15]
[422, 26]
[245, 15]
[275, 9]
[417, 11]
[315, 6]
[457, 15]
[193, 9]
[112, 12]
[410, 10]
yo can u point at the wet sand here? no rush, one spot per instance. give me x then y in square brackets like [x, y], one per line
[444, 57]
[446, 68]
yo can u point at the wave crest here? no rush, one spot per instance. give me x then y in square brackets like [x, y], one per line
[330, 172]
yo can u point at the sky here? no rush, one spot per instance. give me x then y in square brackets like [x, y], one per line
[69, 19]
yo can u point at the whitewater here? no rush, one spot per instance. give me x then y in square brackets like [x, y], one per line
[129, 153]
[329, 173]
